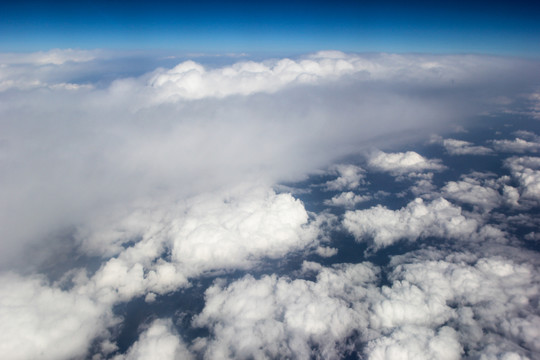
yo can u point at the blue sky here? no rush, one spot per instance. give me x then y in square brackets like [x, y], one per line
[508, 28]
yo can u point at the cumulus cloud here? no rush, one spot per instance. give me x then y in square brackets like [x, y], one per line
[460, 147]
[406, 163]
[472, 191]
[491, 298]
[516, 146]
[212, 232]
[190, 80]
[417, 220]
[347, 199]
[276, 317]
[417, 343]
[526, 170]
[349, 177]
[41, 321]
[161, 341]
[430, 309]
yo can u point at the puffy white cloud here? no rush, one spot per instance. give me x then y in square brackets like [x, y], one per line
[41, 321]
[416, 343]
[190, 80]
[471, 191]
[460, 147]
[492, 296]
[349, 177]
[417, 220]
[402, 163]
[347, 199]
[326, 251]
[424, 188]
[159, 341]
[232, 233]
[516, 146]
[276, 317]
[526, 170]
[211, 232]
[430, 309]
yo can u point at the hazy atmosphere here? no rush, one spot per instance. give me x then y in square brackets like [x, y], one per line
[298, 180]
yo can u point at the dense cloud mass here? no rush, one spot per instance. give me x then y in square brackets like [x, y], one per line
[40, 320]
[323, 206]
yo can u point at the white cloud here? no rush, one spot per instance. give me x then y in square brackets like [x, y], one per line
[526, 170]
[235, 230]
[276, 317]
[71, 156]
[516, 146]
[413, 342]
[230, 234]
[326, 251]
[402, 163]
[471, 191]
[431, 309]
[417, 220]
[350, 177]
[347, 199]
[190, 80]
[490, 296]
[424, 188]
[460, 147]
[40, 321]
[144, 173]
[159, 341]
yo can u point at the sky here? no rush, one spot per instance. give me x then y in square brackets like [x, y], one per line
[494, 27]
[269, 180]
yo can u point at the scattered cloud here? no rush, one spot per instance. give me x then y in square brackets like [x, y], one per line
[460, 147]
[471, 191]
[276, 317]
[526, 170]
[347, 199]
[161, 341]
[516, 146]
[431, 309]
[418, 219]
[349, 177]
[404, 163]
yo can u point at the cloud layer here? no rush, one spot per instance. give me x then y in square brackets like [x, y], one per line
[120, 189]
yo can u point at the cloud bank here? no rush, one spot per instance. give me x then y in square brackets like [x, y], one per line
[124, 189]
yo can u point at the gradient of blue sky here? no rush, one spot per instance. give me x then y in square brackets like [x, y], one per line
[217, 26]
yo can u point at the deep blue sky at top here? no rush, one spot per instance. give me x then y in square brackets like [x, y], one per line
[495, 27]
